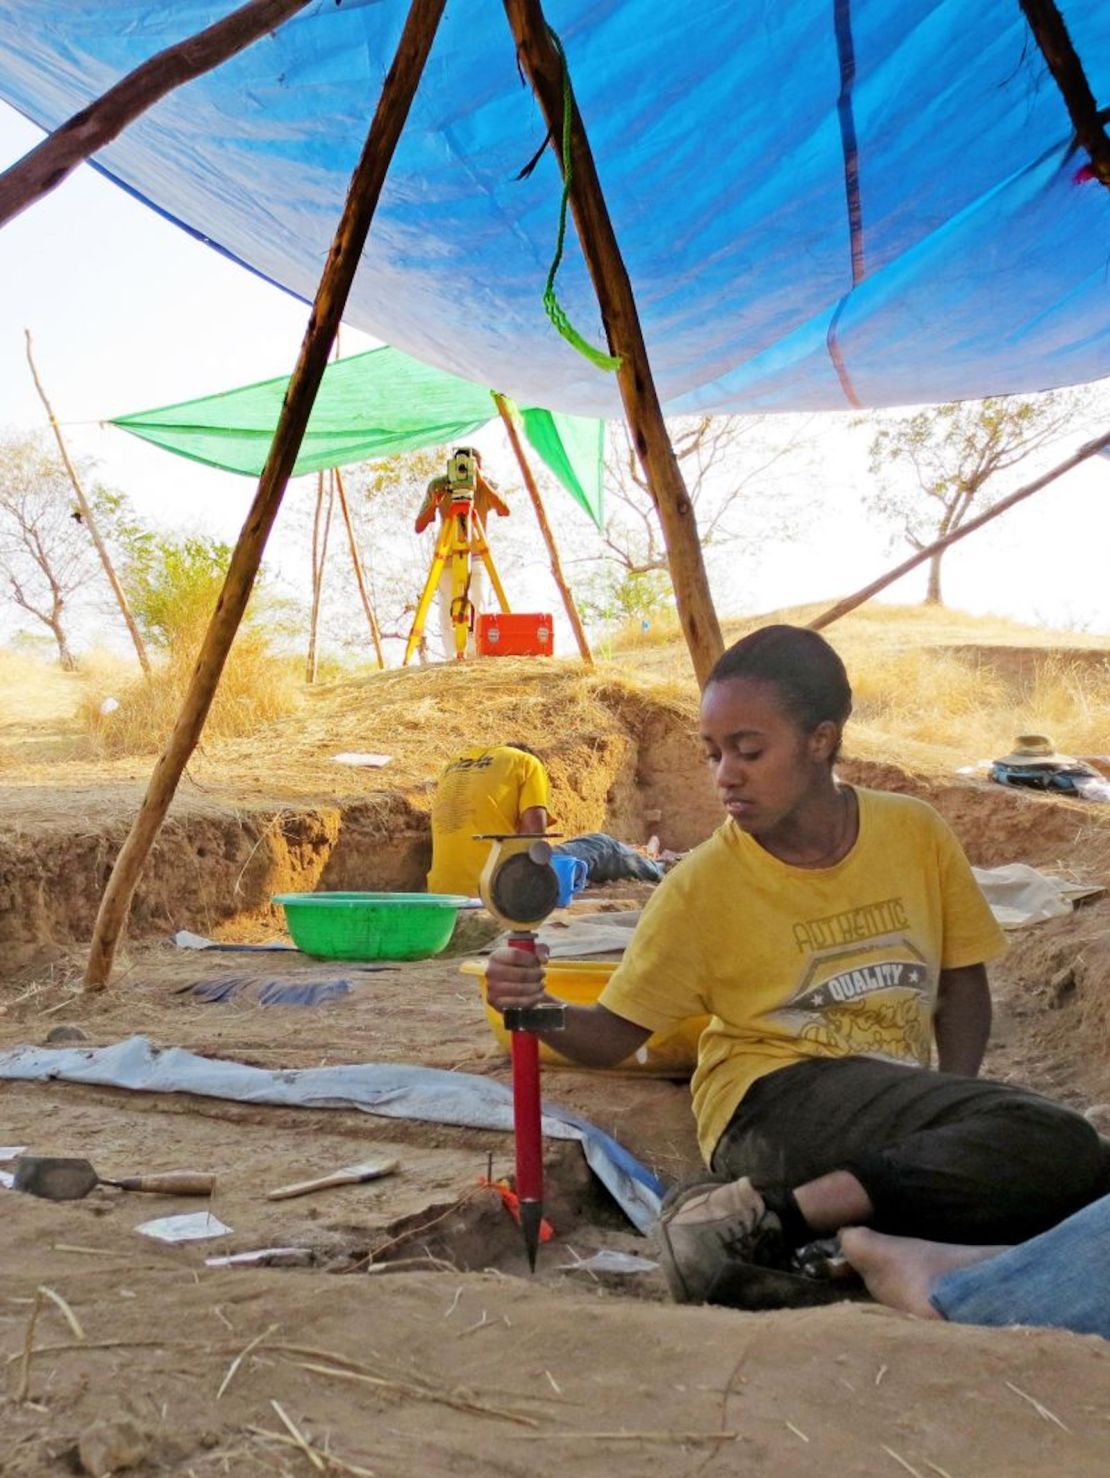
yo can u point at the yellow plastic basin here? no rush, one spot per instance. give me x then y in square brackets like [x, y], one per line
[669, 1054]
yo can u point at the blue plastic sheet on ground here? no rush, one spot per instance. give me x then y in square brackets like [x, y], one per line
[268, 992]
[820, 204]
[393, 1090]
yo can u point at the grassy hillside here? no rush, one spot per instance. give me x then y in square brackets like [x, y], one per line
[934, 689]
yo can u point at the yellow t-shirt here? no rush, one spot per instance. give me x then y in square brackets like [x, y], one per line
[793, 962]
[481, 792]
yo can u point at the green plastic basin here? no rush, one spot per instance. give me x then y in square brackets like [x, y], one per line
[371, 926]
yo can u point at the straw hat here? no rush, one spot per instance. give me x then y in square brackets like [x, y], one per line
[1035, 749]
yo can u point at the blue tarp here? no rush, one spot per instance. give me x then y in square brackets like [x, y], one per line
[819, 203]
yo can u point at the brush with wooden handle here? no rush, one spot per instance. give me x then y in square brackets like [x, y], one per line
[348, 1175]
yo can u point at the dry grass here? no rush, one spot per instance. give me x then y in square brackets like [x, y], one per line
[934, 689]
[926, 687]
[941, 698]
[256, 691]
[1072, 703]
[423, 716]
[930, 695]
[34, 688]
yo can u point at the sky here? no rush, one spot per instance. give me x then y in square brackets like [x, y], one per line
[128, 312]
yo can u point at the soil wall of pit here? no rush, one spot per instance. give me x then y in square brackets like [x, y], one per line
[213, 867]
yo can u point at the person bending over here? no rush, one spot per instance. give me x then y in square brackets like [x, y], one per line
[833, 934]
[500, 789]
[504, 789]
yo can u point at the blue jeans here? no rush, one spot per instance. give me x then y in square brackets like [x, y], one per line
[1059, 1280]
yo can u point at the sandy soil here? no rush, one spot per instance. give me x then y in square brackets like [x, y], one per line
[410, 1338]
[450, 1358]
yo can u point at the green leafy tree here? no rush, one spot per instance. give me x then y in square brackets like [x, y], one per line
[940, 465]
[173, 583]
[612, 597]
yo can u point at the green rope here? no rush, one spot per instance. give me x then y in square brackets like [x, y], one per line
[555, 310]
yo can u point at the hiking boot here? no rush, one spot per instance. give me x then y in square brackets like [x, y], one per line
[708, 1228]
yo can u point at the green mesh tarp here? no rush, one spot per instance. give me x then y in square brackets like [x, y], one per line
[369, 406]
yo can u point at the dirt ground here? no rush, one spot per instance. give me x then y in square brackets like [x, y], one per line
[408, 1338]
[450, 1358]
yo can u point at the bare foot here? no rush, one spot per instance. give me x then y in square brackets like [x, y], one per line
[900, 1271]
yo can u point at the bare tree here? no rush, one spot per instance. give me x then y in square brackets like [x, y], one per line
[88, 515]
[933, 466]
[45, 553]
[729, 465]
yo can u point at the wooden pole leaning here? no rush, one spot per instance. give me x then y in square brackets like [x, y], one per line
[545, 529]
[47, 164]
[88, 518]
[1051, 34]
[331, 296]
[850, 602]
[321, 532]
[696, 613]
[356, 560]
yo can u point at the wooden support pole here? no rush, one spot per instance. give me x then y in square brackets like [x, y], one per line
[327, 310]
[544, 67]
[545, 529]
[1052, 37]
[88, 518]
[367, 606]
[850, 602]
[321, 529]
[48, 163]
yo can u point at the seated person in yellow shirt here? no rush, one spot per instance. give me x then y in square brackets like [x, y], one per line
[833, 934]
[498, 790]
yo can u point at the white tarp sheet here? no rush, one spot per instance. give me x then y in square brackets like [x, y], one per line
[1020, 895]
[392, 1090]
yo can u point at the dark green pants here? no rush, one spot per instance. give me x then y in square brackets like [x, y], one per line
[948, 1158]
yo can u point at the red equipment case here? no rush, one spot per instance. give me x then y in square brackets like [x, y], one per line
[522, 634]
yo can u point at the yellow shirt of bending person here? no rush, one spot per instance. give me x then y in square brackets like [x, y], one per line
[791, 962]
[481, 792]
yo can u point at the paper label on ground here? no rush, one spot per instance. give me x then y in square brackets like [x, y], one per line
[191, 1226]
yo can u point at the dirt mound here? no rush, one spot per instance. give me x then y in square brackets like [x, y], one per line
[409, 1338]
[1056, 978]
[277, 814]
[472, 1374]
[999, 824]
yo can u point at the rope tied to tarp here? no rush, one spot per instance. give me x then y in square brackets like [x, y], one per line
[554, 309]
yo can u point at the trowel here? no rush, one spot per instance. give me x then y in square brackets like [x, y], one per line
[68, 1178]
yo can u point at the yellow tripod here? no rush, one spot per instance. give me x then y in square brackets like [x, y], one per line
[461, 541]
